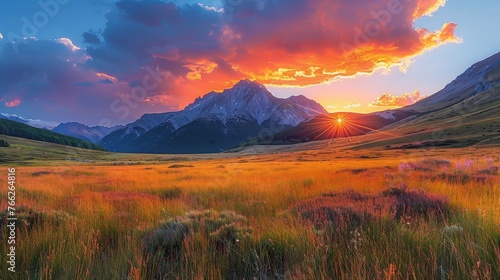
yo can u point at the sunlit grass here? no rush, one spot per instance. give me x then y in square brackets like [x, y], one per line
[112, 208]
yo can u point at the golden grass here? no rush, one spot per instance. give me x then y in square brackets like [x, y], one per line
[111, 208]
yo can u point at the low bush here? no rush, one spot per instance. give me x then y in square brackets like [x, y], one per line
[180, 165]
[224, 228]
[4, 143]
[29, 218]
[170, 193]
[416, 204]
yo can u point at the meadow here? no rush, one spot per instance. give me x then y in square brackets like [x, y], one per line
[316, 214]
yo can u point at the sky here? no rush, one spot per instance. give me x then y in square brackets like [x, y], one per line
[107, 62]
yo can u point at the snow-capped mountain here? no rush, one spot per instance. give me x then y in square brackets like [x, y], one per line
[81, 131]
[228, 117]
[252, 101]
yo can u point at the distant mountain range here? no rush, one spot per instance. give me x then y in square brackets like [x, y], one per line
[214, 122]
[81, 131]
[17, 129]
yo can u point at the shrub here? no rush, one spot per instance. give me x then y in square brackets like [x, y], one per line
[180, 165]
[358, 171]
[171, 193]
[341, 217]
[336, 209]
[492, 170]
[29, 217]
[416, 204]
[40, 173]
[4, 143]
[224, 228]
[168, 237]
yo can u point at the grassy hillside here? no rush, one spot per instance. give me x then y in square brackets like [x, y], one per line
[474, 121]
[16, 129]
[24, 152]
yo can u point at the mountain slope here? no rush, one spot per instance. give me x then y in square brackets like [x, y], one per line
[81, 131]
[466, 112]
[214, 122]
[474, 80]
[16, 129]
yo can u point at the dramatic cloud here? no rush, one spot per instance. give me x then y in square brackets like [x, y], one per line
[48, 76]
[389, 100]
[193, 49]
[278, 42]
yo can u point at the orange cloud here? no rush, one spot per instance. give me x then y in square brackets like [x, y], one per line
[13, 103]
[322, 43]
[280, 42]
[427, 7]
[105, 76]
[389, 100]
[446, 34]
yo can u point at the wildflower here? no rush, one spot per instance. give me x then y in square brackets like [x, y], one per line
[404, 167]
[468, 163]
[489, 161]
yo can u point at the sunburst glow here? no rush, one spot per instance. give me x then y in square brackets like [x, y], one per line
[342, 125]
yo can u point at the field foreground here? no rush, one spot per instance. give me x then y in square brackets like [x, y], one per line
[297, 215]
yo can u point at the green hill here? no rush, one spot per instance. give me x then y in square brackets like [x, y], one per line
[16, 129]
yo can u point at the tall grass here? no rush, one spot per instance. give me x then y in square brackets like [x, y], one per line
[110, 211]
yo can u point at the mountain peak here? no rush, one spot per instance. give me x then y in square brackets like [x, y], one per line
[298, 98]
[71, 124]
[248, 83]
